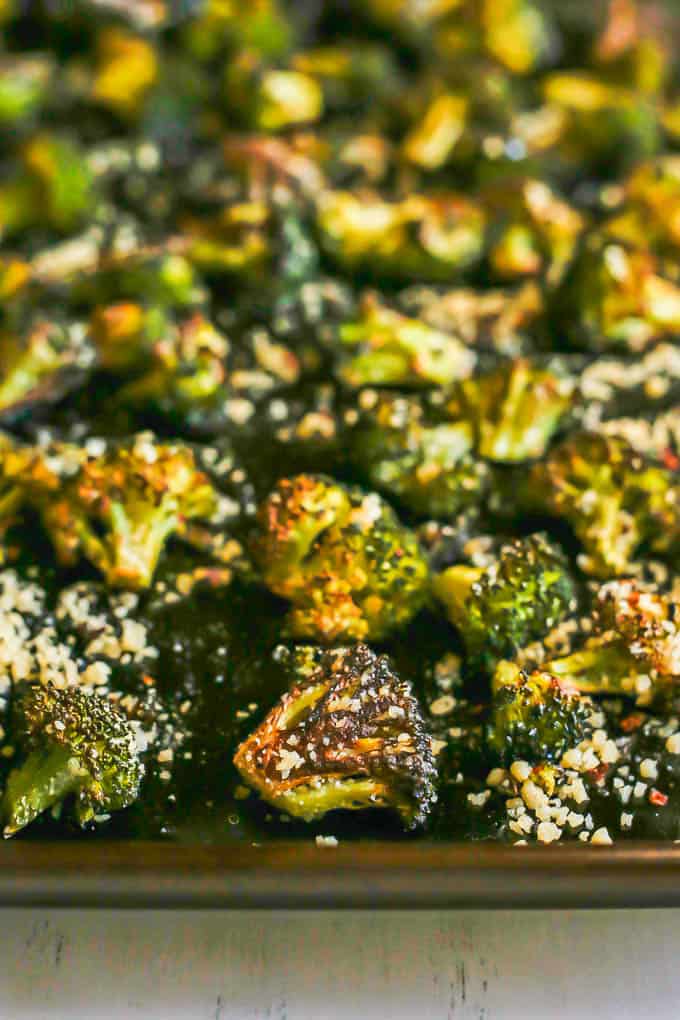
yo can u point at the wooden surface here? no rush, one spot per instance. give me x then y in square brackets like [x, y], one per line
[311, 966]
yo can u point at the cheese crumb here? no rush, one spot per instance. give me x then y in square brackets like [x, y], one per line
[601, 837]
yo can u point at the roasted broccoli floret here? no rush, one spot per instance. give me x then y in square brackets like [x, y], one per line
[613, 500]
[535, 716]
[650, 215]
[422, 237]
[348, 734]
[501, 608]
[390, 349]
[614, 296]
[42, 365]
[351, 570]
[77, 745]
[428, 468]
[634, 648]
[535, 230]
[515, 410]
[117, 504]
[124, 333]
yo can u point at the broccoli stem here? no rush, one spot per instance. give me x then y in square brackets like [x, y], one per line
[453, 587]
[136, 545]
[44, 779]
[309, 802]
[595, 670]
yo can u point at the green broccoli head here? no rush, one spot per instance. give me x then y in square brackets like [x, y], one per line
[347, 735]
[389, 349]
[117, 504]
[428, 468]
[535, 716]
[24, 87]
[422, 237]
[42, 365]
[634, 648]
[341, 556]
[77, 745]
[515, 410]
[612, 498]
[517, 599]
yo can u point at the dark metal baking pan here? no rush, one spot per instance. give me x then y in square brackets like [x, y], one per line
[375, 875]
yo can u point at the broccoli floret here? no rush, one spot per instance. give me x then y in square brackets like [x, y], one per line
[340, 555]
[188, 370]
[41, 366]
[124, 333]
[389, 349]
[515, 410]
[422, 237]
[615, 296]
[78, 745]
[650, 215]
[501, 608]
[348, 734]
[537, 230]
[613, 500]
[535, 716]
[24, 82]
[428, 468]
[270, 99]
[53, 186]
[635, 645]
[117, 504]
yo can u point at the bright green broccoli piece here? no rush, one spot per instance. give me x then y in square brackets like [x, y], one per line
[634, 648]
[535, 716]
[348, 735]
[613, 500]
[77, 745]
[515, 410]
[270, 99]
[428, 468]
[386, 348]
[117, 504]
[341, 556]
[42, 365]
[500, 609]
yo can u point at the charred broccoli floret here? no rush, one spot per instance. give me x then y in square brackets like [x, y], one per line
[501, 608]
[41, 366]
[117, 504]
[340, 555]
[635, 646]
[77, 745]
[535, 716]
[613, 500]
[515, 410]
[390, 349]
[348, 735]
[428, 468]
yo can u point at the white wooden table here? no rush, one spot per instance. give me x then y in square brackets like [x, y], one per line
[322, 966]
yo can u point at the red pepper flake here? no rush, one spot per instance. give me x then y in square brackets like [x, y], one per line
[632, 722]
[658, 798]
[671, 460]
